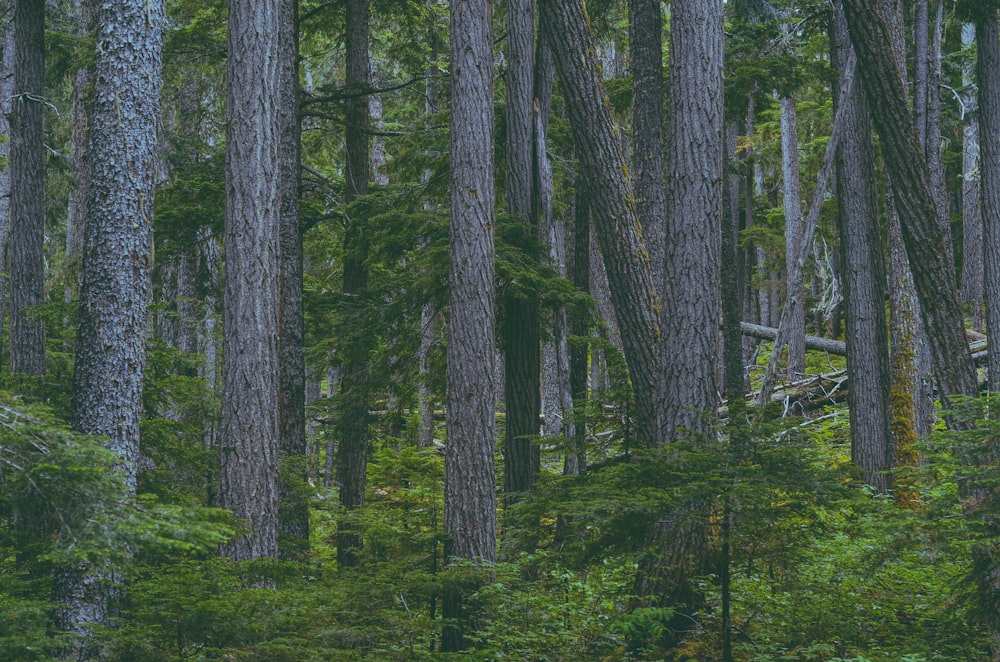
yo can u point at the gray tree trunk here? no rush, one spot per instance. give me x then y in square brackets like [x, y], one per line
[27, 190]
[521, 344]
[76, 211]
[352, 453]
[115, 286]
[6, 100]
[794, 289]
[988, 69]
[933, 275]
[293, 519]
[646, 54]
[934, 149]
[864, 280]
[250, 434]
[972, 223]
[470, 507]
[633, 292]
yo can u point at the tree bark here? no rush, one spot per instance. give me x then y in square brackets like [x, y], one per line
[633, 293]
[972, 224]
[250, 432]
[6, 101]
[522, 355]
[933, 275]
[27, 191]
[76, 211]
[352, 453]
[293, 507]
[732, 283]
[115, 286]
[794, 288]
[469, 474]
[646, 54]
[864, 280]
[988, 71]
[576, 460]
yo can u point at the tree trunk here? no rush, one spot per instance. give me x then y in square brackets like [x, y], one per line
[576, 460]
[470, 478]
[27, 190]
[115, 286]
[76, 211]
[972, 224]
[646, 53]
[521, 345]
[734, 378]
[633, 292]
[794, 288]
[352, 454]
[988, 70]
[6, 101]
[864, 280]
[250, 432]
[934, 149]
[293, 507]
[933, 275]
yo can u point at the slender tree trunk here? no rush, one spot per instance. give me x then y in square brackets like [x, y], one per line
[6, 101]
[27, 191]
[523, 362]
[633, 292]
[352, 454]
[576, 461]
[293, 507]
[250, 400]
[115, 287]
[972, 224]
[934, 149]
[470, 478]
[933, 275]
[864, 279]
[76, 211]
[794, 289]
[734, 380]
[646, 53]
[988, 70]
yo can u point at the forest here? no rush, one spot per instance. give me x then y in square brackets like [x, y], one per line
[533, 330]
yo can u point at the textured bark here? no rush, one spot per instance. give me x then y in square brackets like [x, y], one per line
[521, 343]
[293, 519]
[646, 54]
[933, 274]
[6, 100]
[352, 454]
[988, 70]
[734, 377]
[576, 461]
[83, 79]
[250, 413]
[27, 190]
[469, 473]
[633, 293]
[864, 280]
[792, 191]
[972, 224]
[115, 286]
[935, 142]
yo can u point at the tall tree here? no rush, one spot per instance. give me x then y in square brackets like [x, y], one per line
[115, 284]
[469, 473]
[249, 437]
[864, 277]
[633, 293]
[691, 289]
[293, 507]
[987, 67]
[646, 54]
[792, 191]
[352, 455]
[932, 273]
[6, 101]
[27, 190]
[972, 223]
[521, 343]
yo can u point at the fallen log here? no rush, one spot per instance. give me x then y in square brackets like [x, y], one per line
[838, 347]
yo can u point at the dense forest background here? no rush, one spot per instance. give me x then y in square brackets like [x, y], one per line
[515, 330]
